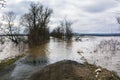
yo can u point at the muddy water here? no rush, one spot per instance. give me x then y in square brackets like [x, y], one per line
[56, 50]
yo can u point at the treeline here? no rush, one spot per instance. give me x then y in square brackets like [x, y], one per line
[36, 22]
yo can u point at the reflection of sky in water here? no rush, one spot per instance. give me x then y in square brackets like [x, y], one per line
[57, 50]
[61, 50]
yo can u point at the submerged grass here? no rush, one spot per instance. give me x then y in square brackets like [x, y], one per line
[7, 62]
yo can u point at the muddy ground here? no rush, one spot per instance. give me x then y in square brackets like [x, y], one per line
[71, 70]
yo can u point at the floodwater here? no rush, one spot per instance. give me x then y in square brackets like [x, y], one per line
[57, 50]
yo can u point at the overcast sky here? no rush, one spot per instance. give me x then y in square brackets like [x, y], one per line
[89, 16]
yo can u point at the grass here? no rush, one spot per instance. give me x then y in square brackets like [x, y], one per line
[8, 62]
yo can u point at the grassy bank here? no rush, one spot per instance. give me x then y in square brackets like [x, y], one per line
[7, 62]
[6, 67]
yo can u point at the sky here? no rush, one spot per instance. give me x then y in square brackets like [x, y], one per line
[88, 16]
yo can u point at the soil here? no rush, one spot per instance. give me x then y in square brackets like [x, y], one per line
[71, 70]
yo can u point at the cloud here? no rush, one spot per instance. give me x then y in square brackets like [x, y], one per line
[97, 6]
[19, 7]
[87, 15]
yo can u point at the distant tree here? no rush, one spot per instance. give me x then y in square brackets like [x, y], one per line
[118, 20]
[64, 30]
[58, 32]
[67, 29]
[9, 30]
[36, 22]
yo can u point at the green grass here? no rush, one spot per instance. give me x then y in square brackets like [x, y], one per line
[8, 62]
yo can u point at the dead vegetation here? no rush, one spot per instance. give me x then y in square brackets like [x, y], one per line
[108, 46]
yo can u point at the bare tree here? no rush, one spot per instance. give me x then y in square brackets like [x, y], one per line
[118, 20]
[67, 29]
[2, 3]
[64, 30]
[108, 46]
[58, 32]
[9, 30]
[36, 22]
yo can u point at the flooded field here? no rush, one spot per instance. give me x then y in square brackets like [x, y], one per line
[101, 51]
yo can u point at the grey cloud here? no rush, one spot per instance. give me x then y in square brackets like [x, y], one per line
[100, 24]
[88, 15]
[19, 8]
[100, 6]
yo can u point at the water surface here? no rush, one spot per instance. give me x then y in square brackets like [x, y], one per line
[57, 50]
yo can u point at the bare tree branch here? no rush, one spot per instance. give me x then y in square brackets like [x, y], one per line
[36, 21]
[2, 3]
[9, 28]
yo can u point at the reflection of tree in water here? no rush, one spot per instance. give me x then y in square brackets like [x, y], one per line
[37, 55]
[69, 44]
